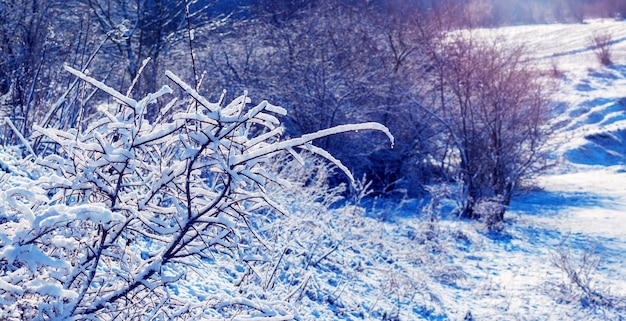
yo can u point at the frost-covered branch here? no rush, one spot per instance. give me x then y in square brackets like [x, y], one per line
[131, 206]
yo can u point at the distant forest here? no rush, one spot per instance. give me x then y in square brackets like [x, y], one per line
[474, 13]
[328, 62]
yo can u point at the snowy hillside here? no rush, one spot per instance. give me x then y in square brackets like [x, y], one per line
[582, 204]
[578, 216]
[561, 254]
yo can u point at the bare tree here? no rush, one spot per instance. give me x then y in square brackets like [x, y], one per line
[328, 63]
[493, 109]
[148, 29]
[25, 50]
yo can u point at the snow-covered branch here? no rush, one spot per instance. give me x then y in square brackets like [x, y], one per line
[131, 206]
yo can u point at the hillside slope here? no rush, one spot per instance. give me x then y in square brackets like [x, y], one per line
[561, 254]
[581, 207]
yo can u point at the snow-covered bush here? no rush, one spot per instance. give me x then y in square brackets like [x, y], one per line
[488, 210]
[128, 208]
[331, 259]
[580, 286]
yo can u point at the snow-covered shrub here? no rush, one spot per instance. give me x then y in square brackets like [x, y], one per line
[579, 285]
[128, 209]
[329, 258]
[317, 240]
[489, 210]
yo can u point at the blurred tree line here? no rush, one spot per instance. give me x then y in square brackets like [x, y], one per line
[328, 62]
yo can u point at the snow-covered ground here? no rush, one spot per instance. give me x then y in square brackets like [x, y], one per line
[581, 206]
